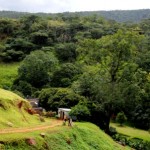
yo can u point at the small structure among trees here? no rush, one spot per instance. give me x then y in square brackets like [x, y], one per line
[63, 113]
[34, 102]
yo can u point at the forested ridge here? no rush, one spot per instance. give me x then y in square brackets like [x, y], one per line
[117, 15]
[95, 66]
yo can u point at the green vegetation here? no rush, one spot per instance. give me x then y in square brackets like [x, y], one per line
[53, 98]
[80, 136]
[118, 15]
[81, 61]
[121, 118]
[132, 132]
[80, 111]
[34, 71]
[8, 73]
[11, 114]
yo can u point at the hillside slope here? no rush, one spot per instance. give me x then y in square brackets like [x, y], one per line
[13, 111]
[8, 73]
[82, 136]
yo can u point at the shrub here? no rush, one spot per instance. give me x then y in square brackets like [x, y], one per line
[121, 118]
[22, 86]
[81, 112]
[53, 98]
[12, 55]
[112, 131]
[135, 143]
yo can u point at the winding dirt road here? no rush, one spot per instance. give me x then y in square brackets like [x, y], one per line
[31, 129]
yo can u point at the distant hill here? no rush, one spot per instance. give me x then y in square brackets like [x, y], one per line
[122, 15]
[117, 15]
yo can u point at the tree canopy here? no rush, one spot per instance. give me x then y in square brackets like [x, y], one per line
[82, 61]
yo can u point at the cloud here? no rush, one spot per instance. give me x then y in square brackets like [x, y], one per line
[108, 4]
[71, 5]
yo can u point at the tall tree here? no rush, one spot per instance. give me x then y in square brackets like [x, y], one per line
[117, 53]
[36, 68]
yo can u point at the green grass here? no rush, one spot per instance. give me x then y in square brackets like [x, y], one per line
[132, 132]
[9, 111]
[82, 136]
[8, 73]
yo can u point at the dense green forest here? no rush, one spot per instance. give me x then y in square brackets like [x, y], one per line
[117, 15]
[95, 66]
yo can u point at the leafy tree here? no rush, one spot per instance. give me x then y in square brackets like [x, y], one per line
[65, 75]
[53, 98]
[20, 44]
[24, 87]
[66, 52]
[28, 21]
[12, 55]
[121, 118]
[117, 53]
[80, 111]
[36, 68]
[89, 51]
[8, 26]
[39, 38]
[2, 48]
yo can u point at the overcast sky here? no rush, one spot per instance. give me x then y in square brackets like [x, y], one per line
[53, 6]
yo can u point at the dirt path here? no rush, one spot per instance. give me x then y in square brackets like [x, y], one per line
[31, 129]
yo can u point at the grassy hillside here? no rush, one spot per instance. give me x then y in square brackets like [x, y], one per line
[11, 114]
[132, 132]
[82, 136]
[8, 73]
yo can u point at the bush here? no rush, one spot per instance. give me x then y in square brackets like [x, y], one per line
[12, 55]
[36, 67]
[39, 38]
[112, 131]
[121, 118]
[135, 143]
[81, 112]
[53, 98]
[122, 139]
[65, 75]
[22, 86]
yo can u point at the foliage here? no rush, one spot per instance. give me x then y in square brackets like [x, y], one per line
[53, 98]
[66, 52]
[65, 75]
[36, 67]
[20, 44]
[39, 38]
[105, 87]
[80, 111]
[118, 15]
[105, 61]
[12, 56]
[121, 118]
[23, 86]
[136, 143]
[8, 26]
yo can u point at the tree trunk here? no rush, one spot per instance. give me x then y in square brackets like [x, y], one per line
[107, 122]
